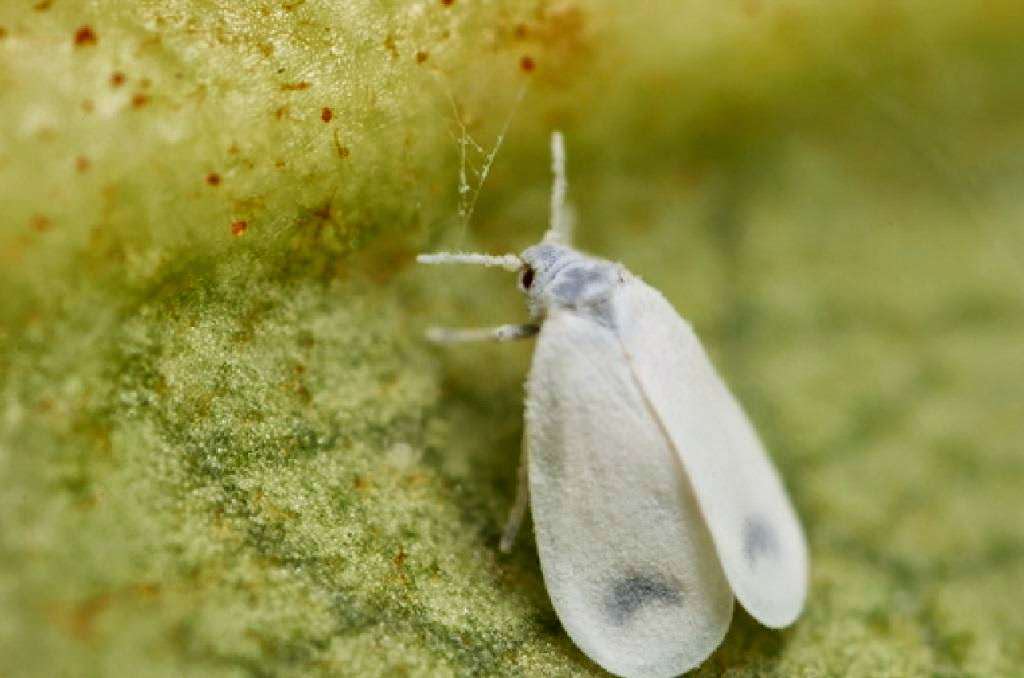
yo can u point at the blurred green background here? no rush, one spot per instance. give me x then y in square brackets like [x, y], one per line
[225, 450]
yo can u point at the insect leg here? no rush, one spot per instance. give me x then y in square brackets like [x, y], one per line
[445, 335]
[518, 512]
[509, 262]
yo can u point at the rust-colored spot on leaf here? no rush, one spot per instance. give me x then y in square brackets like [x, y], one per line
[42, 5]
[342, 150]
[295, 86]
[447, 3]
[3, 32]
[40, 223]
[82, 163]
[390, 46]
[79, 620]
[561, 29]
[326, 114]
[239, 227]
[85, 36]
[281, 112]
[400, 557]
[421, 57]
[323, 213]
[117, 79]
[88, 106]
[139, 100]
[213, 179]
[146, 590]
[527, 64]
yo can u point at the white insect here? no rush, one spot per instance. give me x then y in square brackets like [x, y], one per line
[653, 501]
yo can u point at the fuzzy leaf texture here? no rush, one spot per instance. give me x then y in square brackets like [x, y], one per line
[225, 449]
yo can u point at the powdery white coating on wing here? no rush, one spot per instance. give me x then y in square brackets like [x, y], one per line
[755, 529]
[627, 559]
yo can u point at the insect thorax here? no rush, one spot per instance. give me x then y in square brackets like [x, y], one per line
[566, 278]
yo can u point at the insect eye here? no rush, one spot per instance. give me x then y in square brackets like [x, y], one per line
[526, 279]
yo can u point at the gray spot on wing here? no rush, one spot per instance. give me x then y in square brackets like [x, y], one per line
[759, 540]
[635, 591]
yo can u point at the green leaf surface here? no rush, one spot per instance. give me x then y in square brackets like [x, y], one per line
[225, 449]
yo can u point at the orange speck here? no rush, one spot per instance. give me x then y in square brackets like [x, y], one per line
[400, 557]
[239, 227]
[389, 45]
[146, 590]
[81, 619]
[139, 100]
[323, 212]
[213, 179]
[82, 163]
[40, 223]
[521, 31]
[116, 79]
[85, 36]
[447, 3]
[42, 5]
[3, 32]
[421, 57]
[326, 114]
[88, 106]
[343, 151]
[527, 64]
[295, 86]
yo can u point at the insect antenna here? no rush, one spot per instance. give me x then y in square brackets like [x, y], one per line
[560, 221]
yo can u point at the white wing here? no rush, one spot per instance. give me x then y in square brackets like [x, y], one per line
[755, 529]
[627, 559]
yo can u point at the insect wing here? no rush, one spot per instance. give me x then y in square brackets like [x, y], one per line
[627, 559]
[754, 527]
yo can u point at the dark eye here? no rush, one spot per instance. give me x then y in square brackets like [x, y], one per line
[526, 280]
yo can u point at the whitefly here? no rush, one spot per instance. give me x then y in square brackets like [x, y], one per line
[655, 504]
